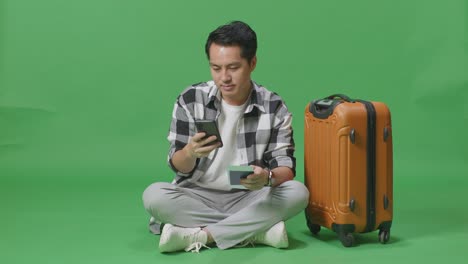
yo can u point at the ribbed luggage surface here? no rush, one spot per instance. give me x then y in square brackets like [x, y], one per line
[348, 163]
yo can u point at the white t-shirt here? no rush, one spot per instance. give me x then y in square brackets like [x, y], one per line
[216, 177]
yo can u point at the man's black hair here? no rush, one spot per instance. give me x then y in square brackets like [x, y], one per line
[236, 33]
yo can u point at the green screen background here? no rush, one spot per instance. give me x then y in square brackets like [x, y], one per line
[86, 95]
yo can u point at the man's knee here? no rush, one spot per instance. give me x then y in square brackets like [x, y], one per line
[155, 195]
[297, 194]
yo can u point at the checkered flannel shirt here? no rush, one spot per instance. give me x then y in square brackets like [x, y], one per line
[264, 137]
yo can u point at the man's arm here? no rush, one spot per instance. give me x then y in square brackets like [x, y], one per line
[280, 175]
[184, 160]
[280, 152]
[260, 177]
[186, 145]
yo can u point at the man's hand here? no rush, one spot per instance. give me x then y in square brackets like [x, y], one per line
[185, 159]
[196, 148]
[257, 180]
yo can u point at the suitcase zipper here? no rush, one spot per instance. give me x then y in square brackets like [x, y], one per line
[371, 165]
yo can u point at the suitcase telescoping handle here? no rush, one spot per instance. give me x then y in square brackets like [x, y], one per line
[323, 108]
[341, 96]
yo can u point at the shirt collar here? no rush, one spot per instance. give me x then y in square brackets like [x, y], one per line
[257, 99]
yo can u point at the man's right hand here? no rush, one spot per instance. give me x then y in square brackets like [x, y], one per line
[185, 159]
[197, 148]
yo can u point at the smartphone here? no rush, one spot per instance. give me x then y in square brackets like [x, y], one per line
[210, 128]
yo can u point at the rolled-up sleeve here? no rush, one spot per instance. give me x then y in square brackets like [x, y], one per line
[180, 132]
[280, 151]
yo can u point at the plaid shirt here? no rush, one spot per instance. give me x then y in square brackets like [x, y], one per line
[264, 138]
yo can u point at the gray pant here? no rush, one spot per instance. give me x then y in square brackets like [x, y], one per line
[230, 216]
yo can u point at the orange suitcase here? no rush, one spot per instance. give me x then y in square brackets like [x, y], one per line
[348, 166]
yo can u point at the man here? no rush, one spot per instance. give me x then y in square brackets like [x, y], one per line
[200, 208]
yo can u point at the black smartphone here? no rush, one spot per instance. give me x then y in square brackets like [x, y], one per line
[210, 128]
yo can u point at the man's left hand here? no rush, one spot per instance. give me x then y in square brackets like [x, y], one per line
[257, 180]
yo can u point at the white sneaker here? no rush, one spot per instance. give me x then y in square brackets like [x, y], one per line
[276, 236]
[174, 238]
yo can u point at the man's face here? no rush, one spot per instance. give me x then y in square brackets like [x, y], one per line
[231, 72]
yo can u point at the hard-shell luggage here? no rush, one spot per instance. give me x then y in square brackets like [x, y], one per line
[348, 167]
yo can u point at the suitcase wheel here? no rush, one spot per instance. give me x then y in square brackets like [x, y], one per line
[384, 236]
[314, 228]
[347, 239]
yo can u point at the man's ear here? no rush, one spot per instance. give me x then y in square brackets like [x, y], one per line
[253, 63]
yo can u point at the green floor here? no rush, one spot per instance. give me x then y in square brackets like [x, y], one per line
[74, 216]
[86, 94]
